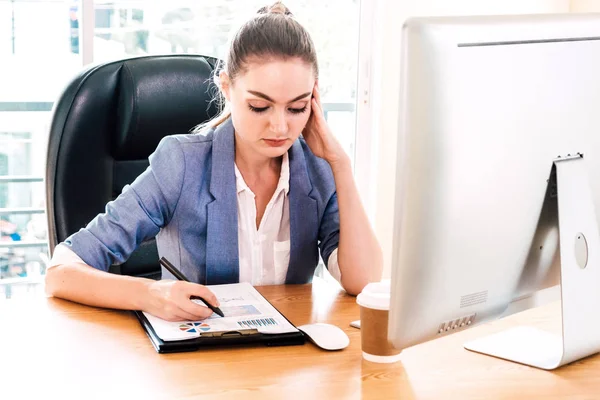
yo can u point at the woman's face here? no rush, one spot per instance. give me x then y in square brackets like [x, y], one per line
[270, 104]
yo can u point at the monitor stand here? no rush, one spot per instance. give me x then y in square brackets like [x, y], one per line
[579, 282]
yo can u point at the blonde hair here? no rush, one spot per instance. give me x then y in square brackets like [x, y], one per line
[272, 33]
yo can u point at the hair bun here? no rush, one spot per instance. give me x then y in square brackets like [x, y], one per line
[275, 8]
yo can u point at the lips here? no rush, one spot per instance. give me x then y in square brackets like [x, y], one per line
[275, 142]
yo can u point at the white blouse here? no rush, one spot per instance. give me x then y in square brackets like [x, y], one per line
[264, 253]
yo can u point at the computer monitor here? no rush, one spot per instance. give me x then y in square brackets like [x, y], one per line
[487, 106]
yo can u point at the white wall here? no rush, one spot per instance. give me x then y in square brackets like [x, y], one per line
[384, 101]
[585, 5]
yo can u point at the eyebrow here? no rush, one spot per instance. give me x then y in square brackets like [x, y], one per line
[264, 96]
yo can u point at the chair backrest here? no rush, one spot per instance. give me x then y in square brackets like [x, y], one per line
[104, 126]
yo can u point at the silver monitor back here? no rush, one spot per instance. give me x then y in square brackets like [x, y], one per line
[487, 104]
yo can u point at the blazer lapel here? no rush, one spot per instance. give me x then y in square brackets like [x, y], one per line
[303, 220]
[222, 259]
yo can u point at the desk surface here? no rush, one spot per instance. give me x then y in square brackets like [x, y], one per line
[56, 348]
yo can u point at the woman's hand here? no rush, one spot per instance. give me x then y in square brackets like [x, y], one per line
[318, 136]
[170, 300]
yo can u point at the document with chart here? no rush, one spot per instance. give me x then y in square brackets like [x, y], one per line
[244, 307]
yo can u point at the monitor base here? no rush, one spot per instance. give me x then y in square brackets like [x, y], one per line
[522, 344]
[579, 280]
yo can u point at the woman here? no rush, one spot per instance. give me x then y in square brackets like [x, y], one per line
[247, 200]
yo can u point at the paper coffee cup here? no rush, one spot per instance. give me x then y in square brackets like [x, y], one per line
[374, 302]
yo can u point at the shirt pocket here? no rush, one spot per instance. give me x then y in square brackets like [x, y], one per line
[281, 260]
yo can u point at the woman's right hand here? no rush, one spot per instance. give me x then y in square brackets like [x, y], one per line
[170, 300]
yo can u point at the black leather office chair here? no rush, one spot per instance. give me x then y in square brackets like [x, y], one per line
[105, 125]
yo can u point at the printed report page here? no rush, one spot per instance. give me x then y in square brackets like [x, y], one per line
[244, 308]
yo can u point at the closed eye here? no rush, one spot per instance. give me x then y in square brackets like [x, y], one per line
[257, 109]
[297, 110]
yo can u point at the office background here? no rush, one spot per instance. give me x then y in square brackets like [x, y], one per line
[44, 43]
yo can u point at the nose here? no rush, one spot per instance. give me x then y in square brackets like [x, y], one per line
[279, 124]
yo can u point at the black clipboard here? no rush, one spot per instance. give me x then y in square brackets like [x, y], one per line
[230, 338]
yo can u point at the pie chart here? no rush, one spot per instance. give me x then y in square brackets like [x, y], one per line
[194, 327]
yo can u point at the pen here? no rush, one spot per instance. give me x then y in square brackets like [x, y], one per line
[177, 274]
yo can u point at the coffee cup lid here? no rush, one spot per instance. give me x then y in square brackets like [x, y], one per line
[375, 295]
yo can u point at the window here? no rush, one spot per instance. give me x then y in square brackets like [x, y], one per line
[42, 46]
[36, 64]
[129, 28]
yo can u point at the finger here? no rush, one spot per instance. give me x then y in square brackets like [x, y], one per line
[317, 111]
[186, 316]
[204, 292]
[181, 297]
[315, 105]
[197, 311]
[317, 95]
[175, 314]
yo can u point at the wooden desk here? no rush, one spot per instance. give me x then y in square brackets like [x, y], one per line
[57, 349]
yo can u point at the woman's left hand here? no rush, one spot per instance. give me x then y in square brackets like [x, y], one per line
[318, 136]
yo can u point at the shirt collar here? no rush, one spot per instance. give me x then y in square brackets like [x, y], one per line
[284, 177]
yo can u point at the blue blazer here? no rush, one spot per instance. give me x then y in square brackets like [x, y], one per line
[187, 198]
